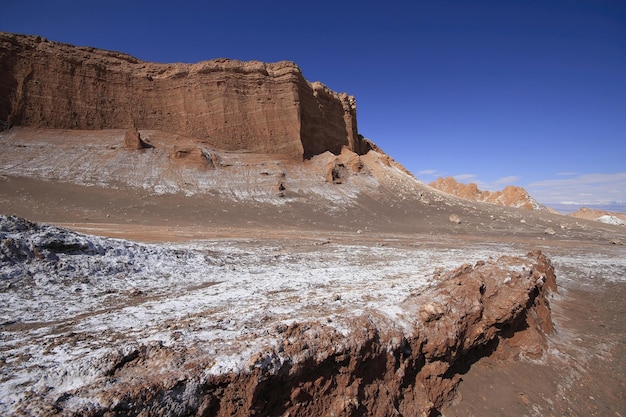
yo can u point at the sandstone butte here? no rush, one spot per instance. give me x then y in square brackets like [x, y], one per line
[230, 105]
[510, 196]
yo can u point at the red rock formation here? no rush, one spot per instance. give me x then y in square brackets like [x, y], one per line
[490, 308]
[133, 141]
[510, 196]
[594, 214]
[232, 105]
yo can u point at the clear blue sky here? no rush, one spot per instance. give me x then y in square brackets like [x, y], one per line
[529, 93]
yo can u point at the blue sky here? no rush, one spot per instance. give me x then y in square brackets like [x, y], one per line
[529, 93]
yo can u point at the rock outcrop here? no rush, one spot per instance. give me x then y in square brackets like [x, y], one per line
[510, 196]
[133, 141]
[230, 105]
[490, 308]
[603, 216]
[345, 356]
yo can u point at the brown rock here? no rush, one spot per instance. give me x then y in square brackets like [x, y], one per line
[343, 166]
[133, 141]
[510, 196]
[454, 218]
[232, 105]
[193, 156]
[495, 308]
[594, 214]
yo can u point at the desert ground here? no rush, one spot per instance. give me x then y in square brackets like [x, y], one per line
[304, 255]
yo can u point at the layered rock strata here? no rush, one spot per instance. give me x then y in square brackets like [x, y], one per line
[231, 105]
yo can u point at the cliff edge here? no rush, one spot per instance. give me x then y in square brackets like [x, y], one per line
[230, 105]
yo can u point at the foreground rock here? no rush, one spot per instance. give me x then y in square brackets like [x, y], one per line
[379, 342]
[231, 105]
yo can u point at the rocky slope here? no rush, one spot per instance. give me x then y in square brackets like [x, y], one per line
[510, 196]
[229, 105]
[162, 163]
[95, 326]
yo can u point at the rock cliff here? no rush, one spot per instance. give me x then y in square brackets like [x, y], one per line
[510, 196]
[230, 105]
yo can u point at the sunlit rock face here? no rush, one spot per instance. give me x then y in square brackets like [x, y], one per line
[232, 105]
[510, 196]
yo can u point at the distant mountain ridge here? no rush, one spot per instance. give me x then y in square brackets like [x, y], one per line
[569, 208]
[603, 216]
[510, 196]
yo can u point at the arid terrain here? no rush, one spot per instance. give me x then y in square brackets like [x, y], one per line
[320, 260]
[154, 271]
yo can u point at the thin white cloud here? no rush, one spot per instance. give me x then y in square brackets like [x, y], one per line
[427, 172]
[566, 174]
[583, 189]
[465, 177]
[507, 180]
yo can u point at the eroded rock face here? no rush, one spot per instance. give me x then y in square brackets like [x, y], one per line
[232, 105]
[342, 356]
[371, 368]
[510, 196]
